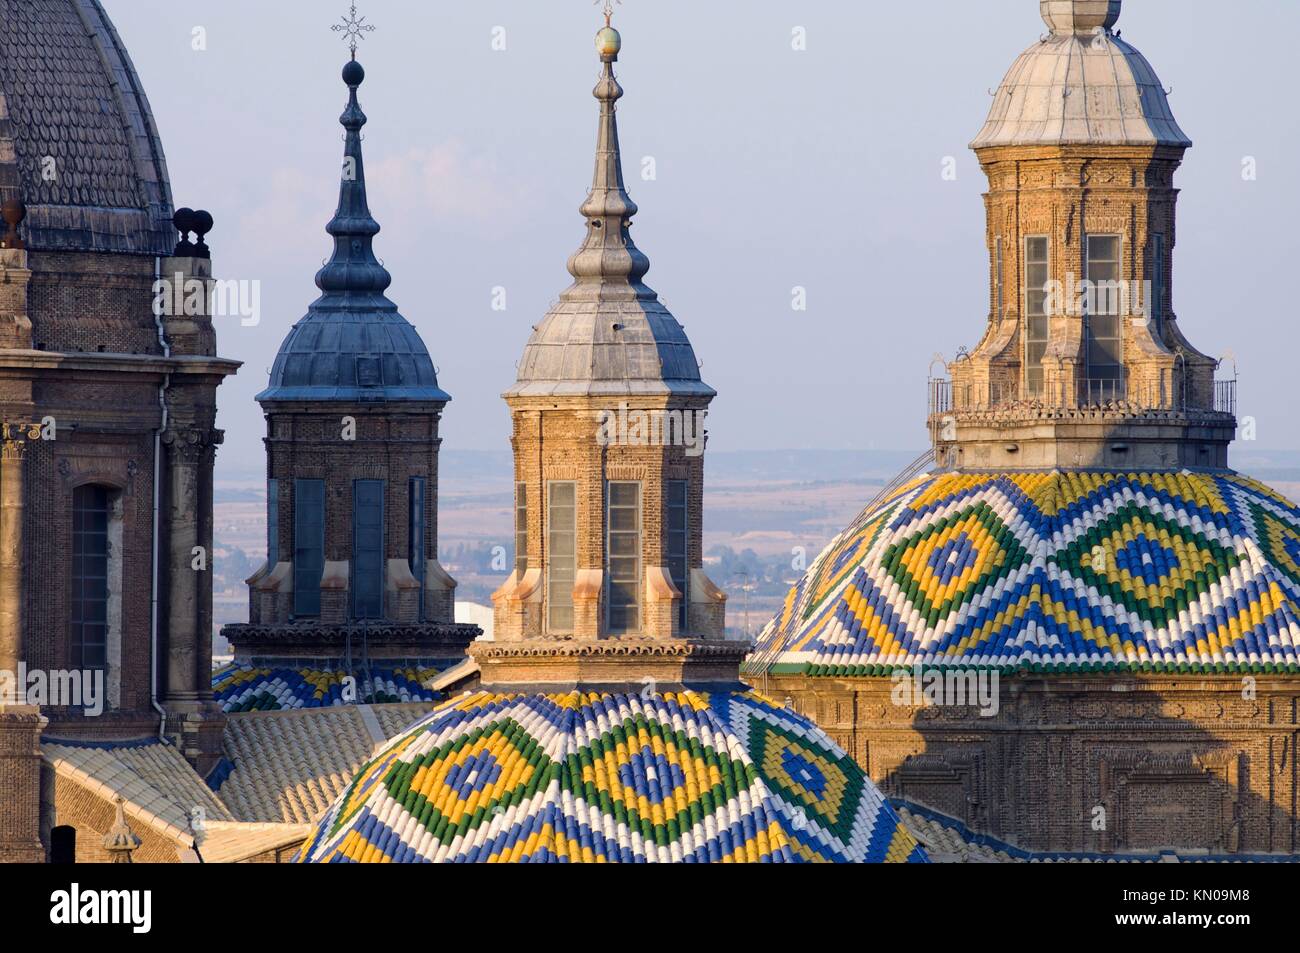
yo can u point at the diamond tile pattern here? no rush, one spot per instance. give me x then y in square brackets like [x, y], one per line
[685, 778]
[1063, 571]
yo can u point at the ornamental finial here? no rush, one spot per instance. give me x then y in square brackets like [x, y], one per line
[353, 29]
[608, 41]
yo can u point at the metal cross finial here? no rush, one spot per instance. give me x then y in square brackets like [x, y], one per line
[609, 9]
[353, 29]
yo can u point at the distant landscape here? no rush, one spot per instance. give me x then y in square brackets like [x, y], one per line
[767, 514]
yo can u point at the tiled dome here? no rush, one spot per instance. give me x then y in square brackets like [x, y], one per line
[78, 142]
[1175, 572]
[686, 777]
[267, 688]
[1081, 85]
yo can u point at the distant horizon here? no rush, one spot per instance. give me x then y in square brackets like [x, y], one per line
[844, 173]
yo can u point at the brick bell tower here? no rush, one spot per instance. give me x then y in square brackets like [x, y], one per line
[608, 413]
[352, 412]
[1083, 362]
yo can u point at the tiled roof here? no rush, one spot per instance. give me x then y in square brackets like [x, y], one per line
[394, 719]
[1170, 572]
[229, 843]
[687, 777]
[68, 93]
[158, 785]
[290, 766]
[259, 688]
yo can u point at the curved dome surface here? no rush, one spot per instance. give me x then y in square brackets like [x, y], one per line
[353, 351]
[1177, 572]
[689, 777]
[353, 345]
[1081, 89]
[78, 142]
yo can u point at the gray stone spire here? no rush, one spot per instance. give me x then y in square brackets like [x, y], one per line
[609, 334]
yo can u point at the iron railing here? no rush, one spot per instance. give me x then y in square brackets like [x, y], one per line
[945, 398]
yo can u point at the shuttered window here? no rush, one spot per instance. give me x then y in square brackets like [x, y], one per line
[308, 545]
[368, 549]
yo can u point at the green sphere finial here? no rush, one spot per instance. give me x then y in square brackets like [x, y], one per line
[608, 43]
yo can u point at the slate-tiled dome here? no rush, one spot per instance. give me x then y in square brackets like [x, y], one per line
[1081, 85]
[1169, 572]
[609, 777]
[78, 143]
[353, 345]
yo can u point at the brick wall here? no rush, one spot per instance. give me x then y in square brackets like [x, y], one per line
[1187, 763]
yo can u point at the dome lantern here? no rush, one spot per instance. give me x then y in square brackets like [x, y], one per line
[1079, 16]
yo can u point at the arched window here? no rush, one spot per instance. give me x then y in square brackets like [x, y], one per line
[88, 620]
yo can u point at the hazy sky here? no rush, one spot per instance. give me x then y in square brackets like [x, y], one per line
[776, 168]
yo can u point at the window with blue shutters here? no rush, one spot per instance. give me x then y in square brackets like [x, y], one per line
[308, 545]
[415, 534]
[368, 549]
[272, 523]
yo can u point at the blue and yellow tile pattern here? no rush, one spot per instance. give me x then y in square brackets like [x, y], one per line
[1170, 572]
[260, 688]
[605, 778]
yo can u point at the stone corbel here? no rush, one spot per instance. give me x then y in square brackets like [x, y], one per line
[402, 593]
[517, 605]
[268, 579]
[708, 607]
[662, 599]
[436, 578]
[334, 591]
[587, 587]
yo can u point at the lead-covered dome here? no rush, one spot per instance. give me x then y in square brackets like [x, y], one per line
[1066, 571]
[1081, 85]
[685, 777]
[353, 345]
[78, 142]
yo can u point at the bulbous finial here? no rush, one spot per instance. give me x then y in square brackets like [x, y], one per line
[1065, 17]
[353, 74]
[609, 42]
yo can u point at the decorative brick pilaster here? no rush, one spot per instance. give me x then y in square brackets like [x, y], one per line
[20, 785]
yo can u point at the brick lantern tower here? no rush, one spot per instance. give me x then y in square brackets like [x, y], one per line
[1077, 543]
[1083, 362]
[608, 414]
[352, 414]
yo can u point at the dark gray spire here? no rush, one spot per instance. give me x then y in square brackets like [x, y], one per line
[353, 344]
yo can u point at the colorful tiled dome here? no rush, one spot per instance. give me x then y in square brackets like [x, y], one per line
[261, 688]
[610, 777]
[1171, 572]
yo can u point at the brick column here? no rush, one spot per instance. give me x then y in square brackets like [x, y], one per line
[184, 450]
[20, 780]
[12, 499]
